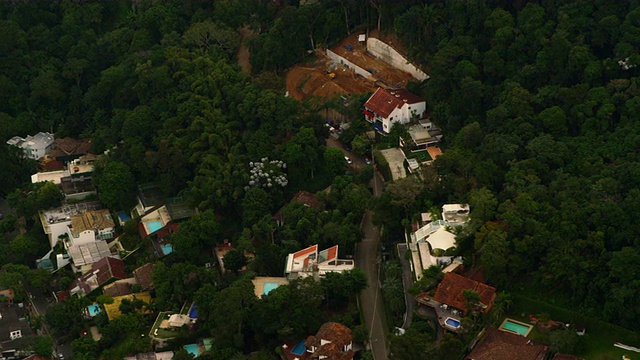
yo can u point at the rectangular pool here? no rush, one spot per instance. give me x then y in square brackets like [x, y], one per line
[516, 327]
[299, 349]
[154, 226]
[268, 287]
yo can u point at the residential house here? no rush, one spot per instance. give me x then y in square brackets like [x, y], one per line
[90, 226]
[120, 287]
[387, 107]
[332, 341]
[144, 276]
[434, 243]
[311, 262]
[15, 333]
[168, 324]
[77, 187]
[162, 221]
[102, 272]
[149, 196]
[423, 135]
[451, 288]
[35, 146]
[500, 345]
[68, 149]
[455, 214]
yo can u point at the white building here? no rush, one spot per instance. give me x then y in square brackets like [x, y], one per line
[91, 226]
[35, 146]
[455, 214]
[311, 262]
[387, 107]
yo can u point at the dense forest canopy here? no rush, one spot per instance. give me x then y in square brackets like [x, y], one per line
[539, 102]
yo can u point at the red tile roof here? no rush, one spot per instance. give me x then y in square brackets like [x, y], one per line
[383, 101]
[434, 151]
[500, 345]
[143, 275]
[53, 165]
[109, 268]
[69, 146]
[450, 291]
[117, 289]
[339, 337]
[332, 253]
[559, 356]
[305, 252]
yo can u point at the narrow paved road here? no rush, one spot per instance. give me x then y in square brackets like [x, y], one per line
[407, 281]
[371, 298]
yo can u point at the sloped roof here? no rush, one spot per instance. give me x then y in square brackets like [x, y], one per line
[69, 147]
[450, 289]
[92, 220]
[383, 101]
[337, 333]
[143, 275]
[500, 345]
[117, 289]
[108, 268]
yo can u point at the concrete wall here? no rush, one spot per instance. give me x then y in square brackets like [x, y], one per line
[339, 59]
[389, 55]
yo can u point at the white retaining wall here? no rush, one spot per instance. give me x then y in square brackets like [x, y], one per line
[339, 59]
[389, 55]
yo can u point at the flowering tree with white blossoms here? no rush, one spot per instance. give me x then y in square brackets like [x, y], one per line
[267, 174]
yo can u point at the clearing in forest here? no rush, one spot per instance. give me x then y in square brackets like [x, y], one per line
[327, 78]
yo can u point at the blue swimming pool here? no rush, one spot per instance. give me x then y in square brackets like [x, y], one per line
[299, 349]
[167, 249]
[192, 349]
[94, 310]
[268, 287]
[193, 313]
[154, 226]
[452, 322]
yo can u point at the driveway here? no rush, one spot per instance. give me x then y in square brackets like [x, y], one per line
[395, 158]
[358, 162]
[407, 281]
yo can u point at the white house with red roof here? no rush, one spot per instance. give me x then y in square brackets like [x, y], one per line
[311, 262]
[387, 107]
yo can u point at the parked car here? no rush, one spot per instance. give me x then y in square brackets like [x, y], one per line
[367, 161]
[348, 160]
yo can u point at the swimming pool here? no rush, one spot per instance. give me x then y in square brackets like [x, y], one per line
[268, 287]
[167, 249]
[192, 349]
[517, 327]
[193, 313]
[154, 226]
[453, 323]
[299, 349]
[94, 310]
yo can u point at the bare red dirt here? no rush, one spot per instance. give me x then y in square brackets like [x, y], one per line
[308, 80]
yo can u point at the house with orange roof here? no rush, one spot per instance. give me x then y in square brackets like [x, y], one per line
[332, 341]
[387, 107]
[311, 262]
[501, 345]
[451, 288]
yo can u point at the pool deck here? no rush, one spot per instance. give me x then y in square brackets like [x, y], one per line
[442, 313]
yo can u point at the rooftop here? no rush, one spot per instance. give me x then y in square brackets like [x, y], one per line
[150, 195]
[500, 345]
[144, 275]
[64, 213]
[330, 339]
[89, 253]
[92, 220]
[70, 147]
[77, 185]
[383, 101]
[434, 152]
[178, 208]
[101, 272]
[14, 327]
[119, 288]
[450, 290]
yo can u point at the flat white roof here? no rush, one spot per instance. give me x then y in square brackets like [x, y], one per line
[442, 239]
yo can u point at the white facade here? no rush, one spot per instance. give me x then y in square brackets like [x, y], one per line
[311, 262]
[35, 146]
[455, 214]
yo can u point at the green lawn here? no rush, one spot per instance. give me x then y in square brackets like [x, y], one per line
[599, 338]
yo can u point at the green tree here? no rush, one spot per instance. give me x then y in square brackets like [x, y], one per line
[234, 260]
[334, 161]
[116, 185]
[43, 346]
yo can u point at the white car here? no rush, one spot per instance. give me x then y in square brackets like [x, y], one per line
[348, 160]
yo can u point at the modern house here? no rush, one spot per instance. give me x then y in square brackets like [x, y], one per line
[434, 243]
[332, 341]
[34, 147]
[500, 345]
[90, 226]
[451, 288]
[387, 107]
[149, 196]
[311, 262]
[423, 135]
[455, 214]
[102, 272]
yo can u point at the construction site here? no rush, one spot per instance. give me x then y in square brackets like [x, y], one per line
[351, 68]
